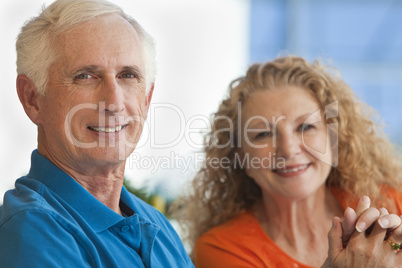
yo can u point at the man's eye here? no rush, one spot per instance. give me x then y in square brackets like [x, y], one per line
[83, 76]
[128, 75]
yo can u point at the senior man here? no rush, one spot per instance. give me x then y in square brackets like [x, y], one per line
[86, 74]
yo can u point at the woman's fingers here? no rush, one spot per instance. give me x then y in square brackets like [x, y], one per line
[383, 226]
[348, 225]
[369, 220]
[388, 221]
[350, 218]
[334, 240]
[379, 221]
[394, 241]
[396, 234]
[362, 205]
[366, 219]
[367, 247]
[365, 238]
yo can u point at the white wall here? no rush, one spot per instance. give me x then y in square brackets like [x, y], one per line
[201, 46]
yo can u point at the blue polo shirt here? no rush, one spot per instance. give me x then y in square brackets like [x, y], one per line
[49, 220]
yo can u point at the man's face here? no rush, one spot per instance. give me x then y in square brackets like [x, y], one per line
[95, 103]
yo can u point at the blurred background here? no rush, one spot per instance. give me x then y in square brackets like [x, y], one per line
[204, 44]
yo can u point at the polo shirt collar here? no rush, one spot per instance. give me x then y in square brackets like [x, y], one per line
[95, 213]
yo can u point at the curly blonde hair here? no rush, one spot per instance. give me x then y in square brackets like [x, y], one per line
[367, 160]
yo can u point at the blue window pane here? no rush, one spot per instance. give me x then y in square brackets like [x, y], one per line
[363, 38]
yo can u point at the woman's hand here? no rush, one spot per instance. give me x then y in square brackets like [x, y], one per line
[361, 240]
[364, 217]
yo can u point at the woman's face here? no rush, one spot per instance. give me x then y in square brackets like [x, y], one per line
[285, 145]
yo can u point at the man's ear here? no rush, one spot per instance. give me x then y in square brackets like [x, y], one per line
[148, 99]
[29, 97]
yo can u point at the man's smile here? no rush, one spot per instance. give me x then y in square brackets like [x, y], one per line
[108, 129]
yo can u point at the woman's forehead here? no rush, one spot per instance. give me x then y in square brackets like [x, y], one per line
[285, 101]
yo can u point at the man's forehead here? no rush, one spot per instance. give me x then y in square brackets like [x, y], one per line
[103, 25]
[108, 38]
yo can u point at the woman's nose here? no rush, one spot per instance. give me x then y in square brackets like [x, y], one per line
[288, 144]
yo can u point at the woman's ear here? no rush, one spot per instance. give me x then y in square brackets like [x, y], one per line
[29, 97]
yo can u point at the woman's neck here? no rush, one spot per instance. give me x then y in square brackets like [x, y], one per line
[299, 227]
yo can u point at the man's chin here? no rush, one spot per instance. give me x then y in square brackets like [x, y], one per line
[108, 154]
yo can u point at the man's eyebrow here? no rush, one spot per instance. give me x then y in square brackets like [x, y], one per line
[87, 69]
[96, 69]
[133, 69]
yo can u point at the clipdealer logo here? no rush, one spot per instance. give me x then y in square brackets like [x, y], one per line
[186, 129]
[331, 147]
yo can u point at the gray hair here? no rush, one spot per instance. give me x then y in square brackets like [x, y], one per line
[35, 47]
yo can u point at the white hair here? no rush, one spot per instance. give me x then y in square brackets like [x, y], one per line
[35, 43]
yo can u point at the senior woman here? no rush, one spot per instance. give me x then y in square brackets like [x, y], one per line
[272, 187]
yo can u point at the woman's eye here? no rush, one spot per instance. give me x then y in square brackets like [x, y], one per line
[305, 127]
[263, 134]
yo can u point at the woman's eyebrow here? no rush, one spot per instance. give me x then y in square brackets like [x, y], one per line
[260, 123]
[313, 117]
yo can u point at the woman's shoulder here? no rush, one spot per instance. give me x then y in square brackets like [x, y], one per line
[240, 242]
[395, 195]
[241, 224]
[390, 193]
[236, 242]
[235, 232]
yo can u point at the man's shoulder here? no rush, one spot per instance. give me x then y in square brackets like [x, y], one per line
[26, 213]
[26, 196]
[32, 202]
[29, 226]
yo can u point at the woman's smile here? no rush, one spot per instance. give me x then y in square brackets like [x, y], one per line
[291, 171]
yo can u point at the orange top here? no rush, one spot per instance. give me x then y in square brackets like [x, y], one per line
[241, 242]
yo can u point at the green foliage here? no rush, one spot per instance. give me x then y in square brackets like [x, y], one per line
[154, 200]
[139, 192]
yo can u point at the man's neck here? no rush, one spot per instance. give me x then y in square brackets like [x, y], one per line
[103, 181]
[106, 189]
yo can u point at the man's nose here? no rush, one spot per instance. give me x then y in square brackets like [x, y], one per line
[113, 95]
[288, 144]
